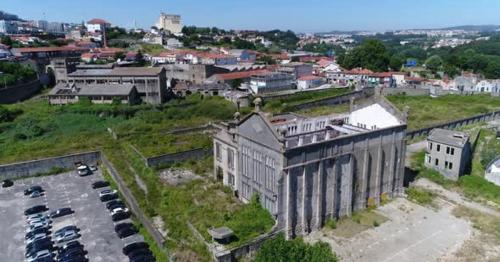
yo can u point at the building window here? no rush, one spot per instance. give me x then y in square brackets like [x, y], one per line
[430, 146]
[437, 162]
[230, 179]
[452, 151]
[445, 164]
[218, 152]
[450, 165]
[447, 150]
[429, 158]
[230, 159]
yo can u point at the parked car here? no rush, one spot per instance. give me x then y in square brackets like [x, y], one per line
[139, 251]
[93, 168]
[71, 244]
[67, 236]
[35, 246]
[79, 258]
[126, 232]
[7, 183]
[116, 202]
[36, 194]
[123, 225]
[119, 210]
[37, 226]
[35, 210]
[132, 246]
[66, 228]
[100, 184]
[42, 220]
[83, 170]
[36, 237]
[107, 192]
[143, 258]
[40, 255]
[120, 216]
[71, 252]
[61, 212]
[35, 217]
[108, 197]
[37, 231]
[32, 189]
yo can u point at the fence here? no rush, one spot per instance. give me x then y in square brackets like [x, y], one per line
[454, 124]
[132, 203]
[35, 167]
[336, 100]
[19, 92]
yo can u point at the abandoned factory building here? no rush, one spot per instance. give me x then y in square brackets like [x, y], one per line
[308, 169]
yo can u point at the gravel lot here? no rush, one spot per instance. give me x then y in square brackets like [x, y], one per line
[64, 190]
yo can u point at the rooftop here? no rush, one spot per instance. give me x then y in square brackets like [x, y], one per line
[91, 90]
[118, 71]
[448, 137]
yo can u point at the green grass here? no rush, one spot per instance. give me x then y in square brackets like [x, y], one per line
[426, 111]
[324, 110]
[287, 104]
[420, 196]
[358, 222]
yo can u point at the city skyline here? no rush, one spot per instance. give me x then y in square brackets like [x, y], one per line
[345, 16]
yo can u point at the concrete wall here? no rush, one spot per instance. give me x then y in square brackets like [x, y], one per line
[19, 92]
[338, 177]
[406, 91]
[245, 250]
[454, 124]
[32, 168]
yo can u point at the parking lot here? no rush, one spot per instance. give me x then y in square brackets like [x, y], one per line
[64, 190]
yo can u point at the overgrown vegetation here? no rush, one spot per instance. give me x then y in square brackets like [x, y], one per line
[12, 73]
[420, 196]
[279, 249]
[426, 111]
[288, 103]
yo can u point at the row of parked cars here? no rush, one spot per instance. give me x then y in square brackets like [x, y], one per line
[43, 245]
[135, 251]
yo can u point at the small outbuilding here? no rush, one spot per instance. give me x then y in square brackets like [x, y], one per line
[222, 235]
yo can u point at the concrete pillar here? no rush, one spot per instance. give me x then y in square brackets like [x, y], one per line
[314, 138]
[289, 206]
[378, 177]
[364, 179]
[304, 201]
[301, 140]
[350, 180]
[319, 195]
[334, 198]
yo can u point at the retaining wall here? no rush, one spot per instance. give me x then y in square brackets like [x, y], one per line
[19, 92]
[32, 168]
[454, 124]
[336, 100]
[406, 91]
[178, 157]
[245, 250]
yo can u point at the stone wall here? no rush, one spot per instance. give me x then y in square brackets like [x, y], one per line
[19, 92]
[454, 124]
[336, 100]
[406, 91]
[178, 157]
[32, 168]
[245, 250]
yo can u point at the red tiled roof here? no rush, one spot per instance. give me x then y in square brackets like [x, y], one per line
[358, 71]
[324, 62]
[307, 78]
[50, 49]
[381, 74]
[97, 21]
[240, 75]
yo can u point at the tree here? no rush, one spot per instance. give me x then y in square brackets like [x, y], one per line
[6, 40]
[396, 62]
[119, 55]
[371, 54]
[434, 63]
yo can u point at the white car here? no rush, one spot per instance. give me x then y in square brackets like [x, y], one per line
[35, 216]
[37, 226]
[119, 210]
[36, 237]
[83, 170]
[67, 236]
[41, 220]
[40, 255]
[107, 192]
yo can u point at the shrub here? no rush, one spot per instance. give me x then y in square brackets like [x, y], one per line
[279, 249]
[331, 223]
[376, 223]
[420, 196]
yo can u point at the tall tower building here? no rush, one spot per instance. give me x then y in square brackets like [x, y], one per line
[170, 23]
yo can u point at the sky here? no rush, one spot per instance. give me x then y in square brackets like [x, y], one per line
[300, 16]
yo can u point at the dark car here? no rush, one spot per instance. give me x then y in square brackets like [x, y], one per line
[71, 244]
[126, 232]
[143, 258]
[66, 228]
[61, 212]
[32, 189]
[78, 258]
[123, 225]
[7, 183]
[73, 252]
[116, 205]
[108, 197]
[100, 184]
[37, 231]
[113, 202]
[34, 247]
[35, 210]
[132, 246]
[120, 216]
[139, 252]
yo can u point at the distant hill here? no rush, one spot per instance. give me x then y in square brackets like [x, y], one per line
[7, 16]
[480, 28]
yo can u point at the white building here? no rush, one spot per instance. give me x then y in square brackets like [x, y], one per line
[171, 23]
[271, 82]
[372, 117]
[97, 25]
[307, 82]
[8, 27]
[484, 86]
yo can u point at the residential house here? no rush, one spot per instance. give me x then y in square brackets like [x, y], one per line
[271, 82]
[311, 81]
[448, 152]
